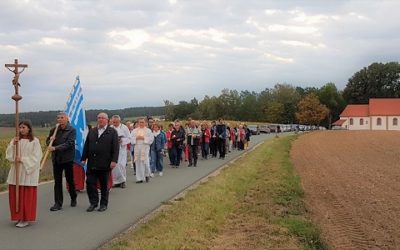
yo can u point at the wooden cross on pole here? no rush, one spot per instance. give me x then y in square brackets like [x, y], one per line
[16, 97]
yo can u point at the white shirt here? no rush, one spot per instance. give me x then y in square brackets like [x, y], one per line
[101, 130]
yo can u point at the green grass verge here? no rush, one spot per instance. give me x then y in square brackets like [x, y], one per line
[288, 194]
[260, 188]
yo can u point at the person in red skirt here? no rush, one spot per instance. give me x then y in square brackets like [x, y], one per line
[29, 169]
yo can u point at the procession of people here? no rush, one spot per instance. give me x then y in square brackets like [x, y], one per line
[109, 148]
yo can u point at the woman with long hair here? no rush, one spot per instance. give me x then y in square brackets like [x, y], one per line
[29, 168]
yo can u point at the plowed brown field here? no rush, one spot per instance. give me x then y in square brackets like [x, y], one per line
[352, 185]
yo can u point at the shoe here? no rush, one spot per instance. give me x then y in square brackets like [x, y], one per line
[55, 208]
[139, 182]
[123, 185]
[147, 179]
[91, 208]
[151, 175]
[102, 208]
[22, 224]
[195, 165]
[190, 165]
[161, 173]
[73, 203]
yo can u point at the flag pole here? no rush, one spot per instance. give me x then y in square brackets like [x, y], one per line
[50, 144]
[55, 130]
[70, 92]
[16, 97]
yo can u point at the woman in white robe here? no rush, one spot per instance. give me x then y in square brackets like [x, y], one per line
[28, 176]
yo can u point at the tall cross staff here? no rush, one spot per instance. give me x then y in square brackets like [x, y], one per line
[16, 97]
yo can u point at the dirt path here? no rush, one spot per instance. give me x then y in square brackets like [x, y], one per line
[352, 185]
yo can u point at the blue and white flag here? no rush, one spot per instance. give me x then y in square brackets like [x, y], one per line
[77, 118]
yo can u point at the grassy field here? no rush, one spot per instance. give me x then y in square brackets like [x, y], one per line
[255, 203]
[8, 132]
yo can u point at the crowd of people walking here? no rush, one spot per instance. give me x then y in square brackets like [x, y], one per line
[110, 147]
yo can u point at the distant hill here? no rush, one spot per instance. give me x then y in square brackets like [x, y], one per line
[43, 118]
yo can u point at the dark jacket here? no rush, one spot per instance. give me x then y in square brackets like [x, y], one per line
[101, 151]
[64, 144]
[221, 131]
[179, 138]
[248, 134]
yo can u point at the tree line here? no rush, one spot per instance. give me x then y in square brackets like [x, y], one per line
[43, 118]
[288, 104]
[284, 103]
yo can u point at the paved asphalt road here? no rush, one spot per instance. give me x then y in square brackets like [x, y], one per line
[74, 228]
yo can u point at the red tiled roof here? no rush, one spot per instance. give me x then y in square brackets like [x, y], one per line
[339, 122]
[381, 106]
[355, 110]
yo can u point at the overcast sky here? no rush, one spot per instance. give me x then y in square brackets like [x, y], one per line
[141, 52]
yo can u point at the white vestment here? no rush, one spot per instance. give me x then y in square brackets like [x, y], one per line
[29, 168]
[119, 172]
[141, 152]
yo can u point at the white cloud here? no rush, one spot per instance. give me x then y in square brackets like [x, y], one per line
[9, 48]
[72, 29]
[175, 44]
[129, 39]
[292, 29]
[256, 24]
[205, 45]
[271, 11]
[354, 14]
[163, 23]
[177, 69]
[302, 44]
[52, 41]
[209, 34]
[310, 19]
[279, 58]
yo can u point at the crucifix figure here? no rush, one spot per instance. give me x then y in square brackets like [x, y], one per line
[16, 97]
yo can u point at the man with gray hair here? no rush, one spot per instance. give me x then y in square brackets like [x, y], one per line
[63, 154]
[101, 152]
[124, 138]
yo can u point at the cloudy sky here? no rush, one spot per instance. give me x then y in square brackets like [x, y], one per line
[141, 52]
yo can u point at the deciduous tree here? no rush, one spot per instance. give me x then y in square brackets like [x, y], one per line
[378, 80]
[311, 111]
[333, 100]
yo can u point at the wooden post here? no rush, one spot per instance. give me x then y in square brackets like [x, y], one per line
[16, 97]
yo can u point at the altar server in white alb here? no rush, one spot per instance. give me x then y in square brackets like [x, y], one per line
[124, 136]
[142, 138]
[29, 169]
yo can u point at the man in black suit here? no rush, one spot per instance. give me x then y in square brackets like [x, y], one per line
[101, 152]
[63, 153]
